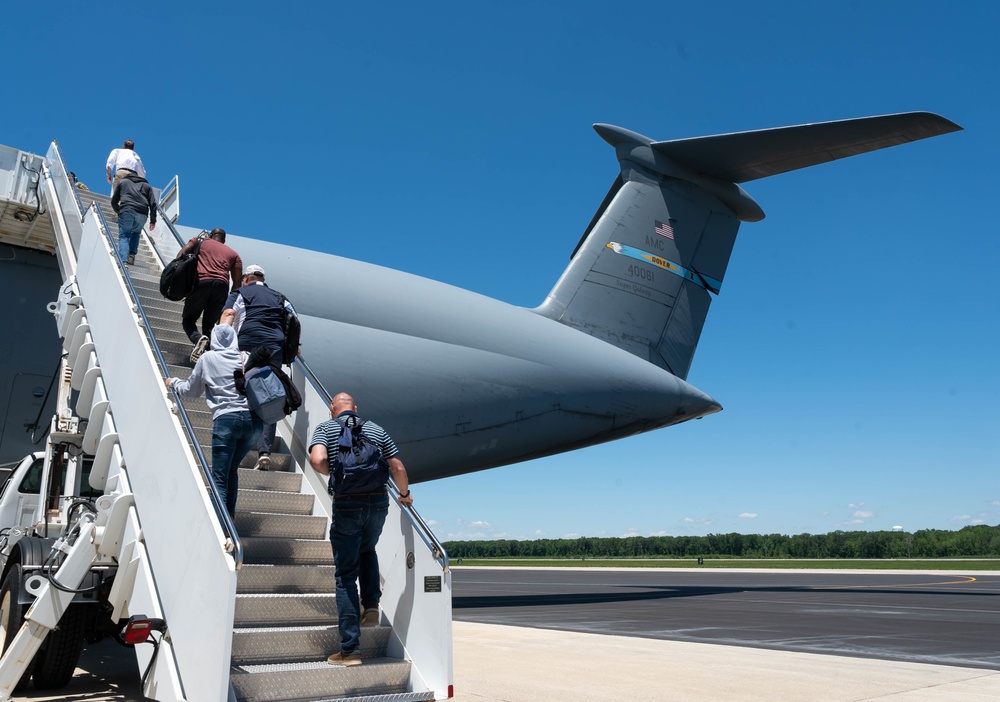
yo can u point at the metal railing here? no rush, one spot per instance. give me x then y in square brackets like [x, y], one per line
[226, 522]
[163, 219]
[235, 546]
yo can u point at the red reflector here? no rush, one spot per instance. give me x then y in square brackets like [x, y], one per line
[451, 691]
[139, 628]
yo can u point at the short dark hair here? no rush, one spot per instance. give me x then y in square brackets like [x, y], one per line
[129, 144]
[219, 234]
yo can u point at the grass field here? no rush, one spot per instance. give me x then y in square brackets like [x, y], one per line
[853, 564]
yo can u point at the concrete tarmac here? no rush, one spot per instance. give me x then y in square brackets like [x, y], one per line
[495, 663]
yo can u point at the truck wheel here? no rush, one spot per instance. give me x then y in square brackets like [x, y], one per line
[57, 659]
[12, 617]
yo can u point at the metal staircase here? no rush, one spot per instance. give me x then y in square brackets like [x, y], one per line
[285, 622]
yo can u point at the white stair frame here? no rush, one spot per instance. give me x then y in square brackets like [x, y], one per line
[195, 578]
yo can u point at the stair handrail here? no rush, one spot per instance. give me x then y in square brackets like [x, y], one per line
[163, 219]
[76, 192]
[226, 522]
[418, 523]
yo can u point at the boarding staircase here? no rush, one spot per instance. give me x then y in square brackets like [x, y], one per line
[267, 577]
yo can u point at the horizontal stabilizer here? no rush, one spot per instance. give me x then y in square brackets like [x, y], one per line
[745, 156]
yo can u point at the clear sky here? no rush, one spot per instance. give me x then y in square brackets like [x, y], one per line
[855, 343]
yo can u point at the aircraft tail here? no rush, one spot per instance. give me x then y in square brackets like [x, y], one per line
[643, 275]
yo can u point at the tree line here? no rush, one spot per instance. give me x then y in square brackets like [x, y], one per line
[972, 541]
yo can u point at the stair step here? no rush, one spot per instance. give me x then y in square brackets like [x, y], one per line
[303, 609]
[262, 645]
[285, 579]
[286, 551]
[274, 502]
[321, 681]
[276, 480]
[280, 462]
[279, 526]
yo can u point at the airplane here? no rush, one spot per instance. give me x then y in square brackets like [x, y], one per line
[464, 382]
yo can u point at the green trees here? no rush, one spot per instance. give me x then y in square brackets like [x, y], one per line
[973, 541]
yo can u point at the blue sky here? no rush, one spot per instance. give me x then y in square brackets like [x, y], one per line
[855, 343]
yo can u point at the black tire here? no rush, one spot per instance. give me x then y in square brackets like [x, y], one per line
[57, 659]
[12, 616]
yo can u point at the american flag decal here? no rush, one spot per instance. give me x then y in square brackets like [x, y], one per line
[664, 229]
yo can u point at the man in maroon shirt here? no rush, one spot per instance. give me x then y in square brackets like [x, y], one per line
[220, 271]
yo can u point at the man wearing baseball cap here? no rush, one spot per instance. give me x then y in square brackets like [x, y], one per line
[255, 311]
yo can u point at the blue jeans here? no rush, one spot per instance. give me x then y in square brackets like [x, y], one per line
[233, 433]
[266, 441]
[130, 223]
[354, 531]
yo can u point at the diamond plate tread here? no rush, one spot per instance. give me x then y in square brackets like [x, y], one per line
[277, 480]
[279, 526]
[280, 462]
[149, 284]
[169, 334]
[311, 681]
[171, 338]
[285, 579]
[274, 502]
[286, 551]
[204, 437]
[304, 609]
[261, 645]
[166, 319]
[158, 305]
[146, 273]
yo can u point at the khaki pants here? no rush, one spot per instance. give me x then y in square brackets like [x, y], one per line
[119, 174]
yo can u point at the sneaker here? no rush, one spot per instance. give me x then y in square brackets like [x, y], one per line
[370, 616]
[341, 659]
[199, 349]
[131, 260]
[264, 463]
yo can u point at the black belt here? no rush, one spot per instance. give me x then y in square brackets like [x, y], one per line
[126, 169]
[341, 495]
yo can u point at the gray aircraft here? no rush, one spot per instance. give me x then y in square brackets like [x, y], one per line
[465, 382]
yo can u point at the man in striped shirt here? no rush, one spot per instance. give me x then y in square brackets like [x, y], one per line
[357, 523]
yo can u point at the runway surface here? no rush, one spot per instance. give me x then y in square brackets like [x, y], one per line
[936, 618]
[691, 636]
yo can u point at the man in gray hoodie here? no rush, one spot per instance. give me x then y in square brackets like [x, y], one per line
[235, 429]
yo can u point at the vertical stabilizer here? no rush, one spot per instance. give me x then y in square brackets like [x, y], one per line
[643, 275]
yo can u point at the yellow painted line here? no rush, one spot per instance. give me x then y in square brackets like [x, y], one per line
[970, 579]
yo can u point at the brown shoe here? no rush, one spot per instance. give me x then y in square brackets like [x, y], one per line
[341, 659]
[370, 616]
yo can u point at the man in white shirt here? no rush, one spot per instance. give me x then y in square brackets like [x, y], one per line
[123, 161]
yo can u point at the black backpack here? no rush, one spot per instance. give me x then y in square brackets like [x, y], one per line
[180, 276]
[358, 466]
[293, 333]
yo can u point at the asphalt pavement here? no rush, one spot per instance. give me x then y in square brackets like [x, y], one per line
[502, 663]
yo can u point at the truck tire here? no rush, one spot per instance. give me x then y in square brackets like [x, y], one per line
[12, 617]
[57, 659]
